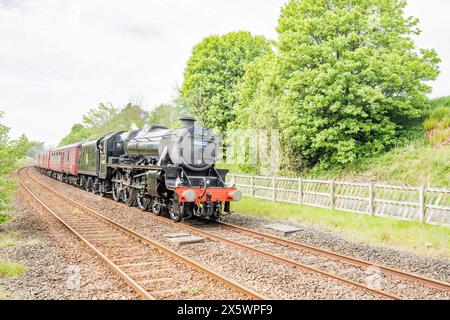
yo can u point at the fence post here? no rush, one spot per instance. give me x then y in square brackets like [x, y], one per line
[300, 191]
[252, 186]
[274, 189]
[422, 207]
[332, 194]
[371, 198]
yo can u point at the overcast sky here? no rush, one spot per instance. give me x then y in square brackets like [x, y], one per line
[59, 58]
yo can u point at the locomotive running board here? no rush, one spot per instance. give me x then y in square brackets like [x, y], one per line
[130, 166]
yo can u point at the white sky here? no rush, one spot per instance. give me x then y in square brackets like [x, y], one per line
[59, 58]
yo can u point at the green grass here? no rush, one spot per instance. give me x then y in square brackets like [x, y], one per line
[7, 239]
[4, 217]
[439, 118]
[416, 164]
[426, 240]
[192, 291]
[11, 269]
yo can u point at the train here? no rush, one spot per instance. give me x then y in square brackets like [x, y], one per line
[168, 171]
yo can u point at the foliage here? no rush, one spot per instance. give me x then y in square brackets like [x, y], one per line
[256, 105]
[4, 217]
[345, 84]
[164, 114]
[7, 239]
[421, 161]
[213, 72]
[440, 102]
[78, 132]
[7, 189]
[427, 240]
[420, 157]
[437, 126]
[439, 119]
[10, 153]
[11, 269]
[105, 119]
[416, 164]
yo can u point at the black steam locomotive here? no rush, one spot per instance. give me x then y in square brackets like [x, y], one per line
[159, 169]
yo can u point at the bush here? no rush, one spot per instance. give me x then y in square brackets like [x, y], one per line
[7, 188]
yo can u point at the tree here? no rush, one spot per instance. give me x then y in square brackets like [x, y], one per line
[105, 119]
[6, 158]
[349, 78]
[257, 93]
[213, 71]
[78, 133]
[100, 116]
[22, 147]
[164, 114]
[10, 153]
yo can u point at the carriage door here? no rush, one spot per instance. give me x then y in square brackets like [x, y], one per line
[102, 152]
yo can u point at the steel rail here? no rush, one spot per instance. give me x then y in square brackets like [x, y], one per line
[228, 282]
[355, 261]
[139, 290]
[243, 246]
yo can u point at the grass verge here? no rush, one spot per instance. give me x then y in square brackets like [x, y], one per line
[11, 269]
[427, 240]
[7, 239]
[4, 217]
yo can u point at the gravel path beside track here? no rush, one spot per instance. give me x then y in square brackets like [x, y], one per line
[57, 265]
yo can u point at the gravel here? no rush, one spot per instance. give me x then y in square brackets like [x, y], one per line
[57, 265]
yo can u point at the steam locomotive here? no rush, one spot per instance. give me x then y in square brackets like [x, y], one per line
[165, 171]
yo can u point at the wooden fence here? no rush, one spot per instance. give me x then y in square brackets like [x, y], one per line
[424, 204]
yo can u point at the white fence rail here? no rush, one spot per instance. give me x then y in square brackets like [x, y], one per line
[424, 204]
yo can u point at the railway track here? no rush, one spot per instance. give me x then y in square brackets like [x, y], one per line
[273, 245]
[345, 258]
[153, 270]
[345, 268]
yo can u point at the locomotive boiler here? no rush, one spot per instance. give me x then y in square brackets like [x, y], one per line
[193, 147]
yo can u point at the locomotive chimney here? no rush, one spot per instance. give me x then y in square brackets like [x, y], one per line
[187, 122]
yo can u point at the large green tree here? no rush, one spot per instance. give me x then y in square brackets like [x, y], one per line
[349, 77]
[213, 71]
